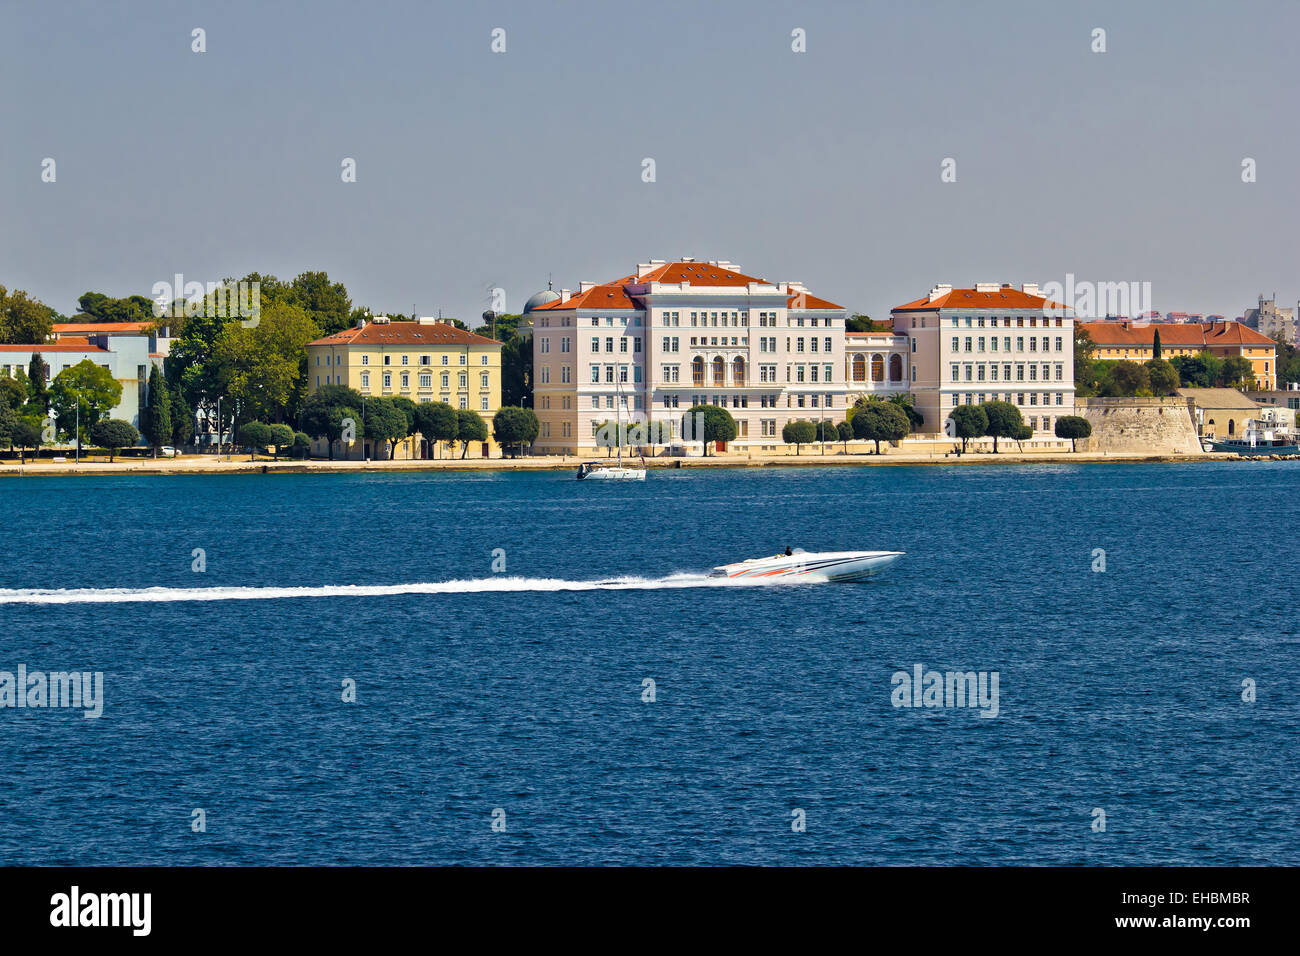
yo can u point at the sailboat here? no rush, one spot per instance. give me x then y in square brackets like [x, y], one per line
[604, 471]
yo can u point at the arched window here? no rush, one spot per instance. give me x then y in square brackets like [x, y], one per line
[719, 371]
[859, 368]
[697, 370]
[1232, 426]
[738, 371]
[895, 368]
[877, 368]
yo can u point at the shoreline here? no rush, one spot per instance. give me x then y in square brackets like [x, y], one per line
[209, 466]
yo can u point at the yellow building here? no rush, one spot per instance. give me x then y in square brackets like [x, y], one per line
[1136, 343]
[425, 361]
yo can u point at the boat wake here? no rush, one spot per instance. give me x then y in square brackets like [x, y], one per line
[473, 586]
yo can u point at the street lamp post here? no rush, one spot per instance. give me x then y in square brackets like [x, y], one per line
[76, 437]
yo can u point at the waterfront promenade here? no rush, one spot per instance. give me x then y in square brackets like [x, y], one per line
[240, 464]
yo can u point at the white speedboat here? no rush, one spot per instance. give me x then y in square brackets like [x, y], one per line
[594, 469]
[814, 565]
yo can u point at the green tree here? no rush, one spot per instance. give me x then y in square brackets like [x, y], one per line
[23, 320]
[517, 370]
[1084, 350]
[156, 416]
[436, 422]
[1073, 427]
[407, 408]
[13, 393]
[907, 402]
[1004, 421]
[1155, 347]
[182, 417]
[969, 421]
[282, 438]
[1127, 378]
[8, 424]
[845, 431]
[880, 421]
[1023, 434]
[301, 444]
[86, 386]
[470, 427]
[265, 367]
[38, 392]
[799, 433]
[112, 434]
[858, 322]
[708, 424]
[826, 431]
[384, 422]
[326, 303]
[326, 411]
[1237, 372]
[255, 435]
[26, 434]
[97, 307]
[515, 426]
[1163, 377]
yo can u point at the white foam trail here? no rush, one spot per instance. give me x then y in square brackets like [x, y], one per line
[474, 586]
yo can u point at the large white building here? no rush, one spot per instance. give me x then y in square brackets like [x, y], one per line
[991, 342]
[676, 334]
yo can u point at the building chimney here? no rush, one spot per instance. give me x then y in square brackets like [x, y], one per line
[939, 291]
[1030, 288]
[565, 295]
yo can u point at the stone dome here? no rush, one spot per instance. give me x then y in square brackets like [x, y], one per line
[540, 298]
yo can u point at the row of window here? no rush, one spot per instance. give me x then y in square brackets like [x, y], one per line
[976, 372]
[978, 323]
[1016, 398]
[426, 380]
[609, 373]
[764, 401]
[622, 344]
[976, 343]
[388, 359]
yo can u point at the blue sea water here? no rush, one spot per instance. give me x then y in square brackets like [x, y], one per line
[1120, 690]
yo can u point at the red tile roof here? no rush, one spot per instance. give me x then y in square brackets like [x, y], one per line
[810, 302]
[53, 347]
[1177, 334]
[1006, 297]
[405, 333]
[112, 328]
[697, 273]
[1232, 333]
[614, 295]
[611, 295]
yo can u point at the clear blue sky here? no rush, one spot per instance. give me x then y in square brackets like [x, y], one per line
[477, 169]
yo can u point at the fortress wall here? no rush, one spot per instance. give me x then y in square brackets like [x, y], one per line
[1154, 425]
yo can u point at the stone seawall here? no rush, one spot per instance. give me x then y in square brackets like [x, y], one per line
[1158, 426]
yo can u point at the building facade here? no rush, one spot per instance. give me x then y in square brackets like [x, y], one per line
[1271, 321]
[425, 361]
[128, 350]
[990, 342]
[1135, 342]
[648, 346]
[1220, 413]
